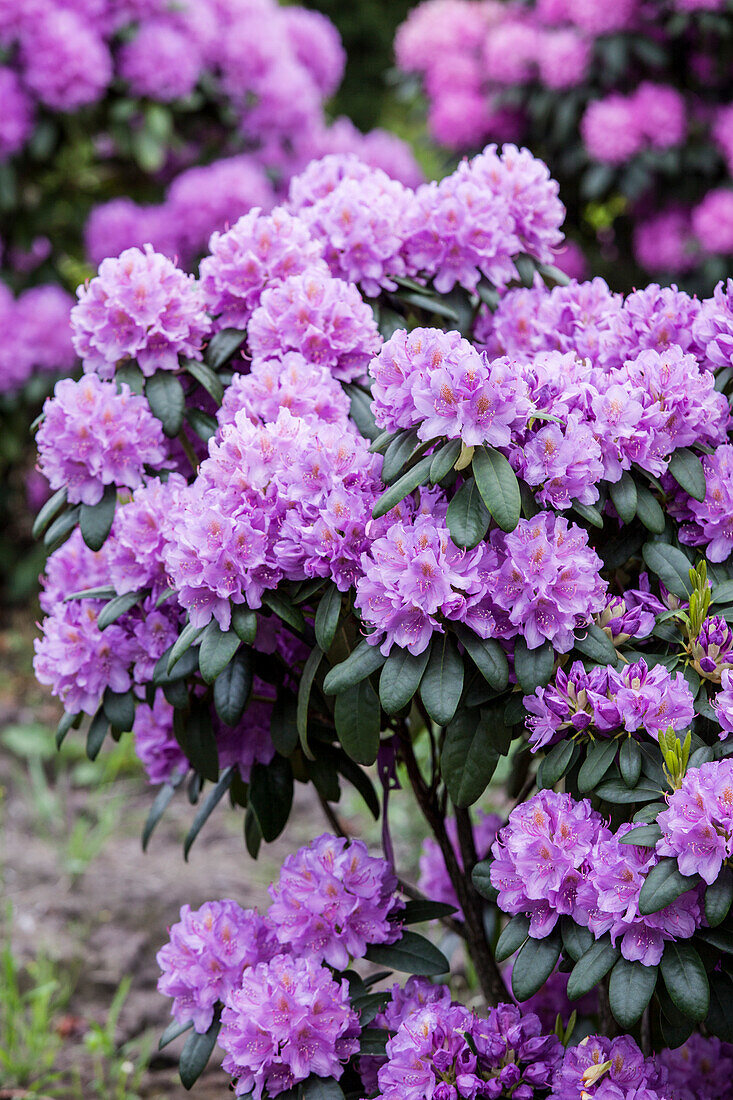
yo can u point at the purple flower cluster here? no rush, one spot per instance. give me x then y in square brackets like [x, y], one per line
[434, 880]
[208, 952]
[92, 436]
[618, 127]
[288, 1019]
[608, 1069]
[332, 900]
[445, 1051]
[709, 522]
[697, 826]
[305, 389]
[701, 1069]
[155, 745]
[17, 117]
[140, 306]
[712, 649]
[604, 701]
[437, 381]
[36, 334]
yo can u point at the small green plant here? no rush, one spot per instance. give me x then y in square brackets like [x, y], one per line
[117, 1070]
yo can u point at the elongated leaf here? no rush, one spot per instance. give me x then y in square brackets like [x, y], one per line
[196, 1053]
[120, 709]
[271, 795]
[591, 967]
[160, 805]
[646, 836]
[382, 442]
[398, 454]
[216, 650]
[58, 532]
[304, 693]
[533, 667]
[188, 663]
[687, 470]
[131, 375]
[719, 1020]
[356, 716]
[244, 622]
[412, 954]
[400, 678]
[630, 989]
[360, 410]
[327, 617]
[223, 345]
[95, 520]
[373, 1041]
[205, 377]
[196, 737]
[48, 512]
[593, 642]
[322, 1088]
[598, 760]
[167, 401]
[468, 518]
[359, 780]
[576, 940]
[415, 912]
[533, 965]
[498, 486]
[284, 610]
[468, 760]
[284, 723]
[101, 592]
[417, 475]
[670, 565]
[202, 423]
[663, 885]
[555, 764]
[444, 460]
[117, 607]
[512, 937]
[629, 762]
[183, 643]
[361, 662]
[442, 681]
[649, 510]
[590, 514]
[685, 978]
[718, 898]
[172, 1032]
[481, 879]
[232, 688]
[722, 593]
[96, 733]
[623, 495]
[616, 791]
[67, 722]
[206, 808]
[252, 834]
[488, 656]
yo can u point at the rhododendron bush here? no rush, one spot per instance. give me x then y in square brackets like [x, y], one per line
[630, 103]
[380, 501]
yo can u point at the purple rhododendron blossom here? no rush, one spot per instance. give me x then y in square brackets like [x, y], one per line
[697, 826]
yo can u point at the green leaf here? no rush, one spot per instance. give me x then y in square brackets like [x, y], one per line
[615, 791]
[468, 518]
[284, 723]
[271, 795]
[488, 656]
[398, 454]
[321, 1088]
[718, 898]
[382, 442]
[685, 978]
[101, 592]
[117, 607]
[481, 879]
[533, 965]
[188, 663]
[719, 1020]
[252, 834]
[196, 1053]
[593, 642]
[498, 486]
[373, 1041]
[131, 375]
[284, 610]
[223, 345]
[96, 733]
[48, 512]
[555, 764]
[444, 460]
[327, 617]
[120, 709]
[512, 937]
[646, 836]
[663, 885]
[202, 423]
[442, 681]
[205, 377]
[415, 476]
[95, 520]
[68, 721]
[361, 662]
[630, 989]
[591, 967]
[359, 780]
[172, 1032]
[244, 622]
[232, 688]
[412, 954]
[649, 510]
[61, 528]
[216, 650]
[400, 678]
[722, 593]
[360, 410]
[206, 808]
[183, 643]
[576, 940]
[687, 470]
[356, 716]
[629, 762]
[599, 757]
[196, 737]
[160, 805]
[415, 912]
[670, 565]
[304, 693]
[533, 667]
[468, 760]
[624, 497]
[590, 514]
[167, 400]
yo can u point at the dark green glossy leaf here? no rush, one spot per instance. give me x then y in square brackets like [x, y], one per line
[533, 965]
[68, 721]
[576, 939]
[130, 375]
[120, 709]
[645, 836]
[356, 716]
[670, 565]
[216, 649]
[444, 460]
[468, 760]
[498, 486]
[623, 495]
[616, 791]
[468, 517]
[398, 454]
[591, 967]
[590, 514]
[196, 737]
[400, 678]
[442, 681]
[359, 780]
[321, 1088]
[415, 912]
[202, 423]
[188, 663]
[96, 733]
[304, 693]
[718, 898]
[244, 623]
[687, 470]
[555, 764]
[630, 989]
[101, 592]
[232, 688]
[205, 377]
[415, 476]
[223, 345]
[593, 642]
[196, 1053]
[284, 610]
[599, 757]
[95, 520]
[719, 1020]
[512, 937]
[183, 643]
[487, 655]
[206, 808]
[361, 662]
[481, 879]
[48, 512]
[271, 795]
[160, 805]
[117, 607]
[685, 978]
[663, 885]
[373, 1041]
[629, 762]
[327, 617]
[172, 1032]
[252, 834]
[533, 667]
[284, 723]
[412, 954]
[382, 442]
[167, 401]
[649, 510]
[360, 410]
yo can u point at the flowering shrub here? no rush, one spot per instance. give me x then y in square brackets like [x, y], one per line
[360, 509]
[629, 103]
